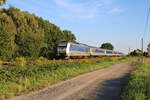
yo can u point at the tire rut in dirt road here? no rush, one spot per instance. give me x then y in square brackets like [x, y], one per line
[103, 84]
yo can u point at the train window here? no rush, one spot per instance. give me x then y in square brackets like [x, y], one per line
[62, 47]
[109, 52]
[77, 48]
[63, 44]
[98, 51]
[88, 49]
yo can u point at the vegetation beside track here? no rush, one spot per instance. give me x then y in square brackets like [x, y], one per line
[138, 85]
[23, 78]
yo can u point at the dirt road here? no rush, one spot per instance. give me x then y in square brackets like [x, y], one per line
[103, 84]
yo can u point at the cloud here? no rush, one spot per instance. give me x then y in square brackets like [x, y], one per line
[86, 9]
[115, 10]
[69, 5]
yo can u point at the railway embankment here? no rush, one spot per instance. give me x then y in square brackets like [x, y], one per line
[21, 78]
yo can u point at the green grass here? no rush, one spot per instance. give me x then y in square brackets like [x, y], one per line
[138, 86]
[18, 80]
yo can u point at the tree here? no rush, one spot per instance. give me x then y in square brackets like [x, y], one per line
[137, 52]
[148, 47]
[68, 36]
[145, 54]
[29, 37]
[53, 35]
[7, 36]
[2, 2]
[108, 46]
[24, 34]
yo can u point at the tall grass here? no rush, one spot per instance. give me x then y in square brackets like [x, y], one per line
[17, 80]
[21, 61]
[1, 63]
[138, 86]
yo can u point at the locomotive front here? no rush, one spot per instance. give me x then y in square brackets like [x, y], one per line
[61, 49]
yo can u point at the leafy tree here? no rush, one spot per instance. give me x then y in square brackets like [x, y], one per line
[68, 36]
[108, 46]
[145, 54]
[2, 2]
[27, 35]
[53, 35]
[7, 36]
[6, 44]
[148, 47]
[134, 53]
[137, 52]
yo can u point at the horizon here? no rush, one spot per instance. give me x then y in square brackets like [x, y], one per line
[95, 22]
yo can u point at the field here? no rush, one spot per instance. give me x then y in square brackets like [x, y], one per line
[138, 85]
[24, 78]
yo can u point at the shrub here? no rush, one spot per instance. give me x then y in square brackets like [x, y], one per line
[41, 61]
[107, 59]
[16, 80]
[114, 58]
[84, 61]
[21, 61]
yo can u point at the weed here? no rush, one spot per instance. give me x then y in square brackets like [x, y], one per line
[1, 64]
[16, 80]
[21, 61]
[138, 87]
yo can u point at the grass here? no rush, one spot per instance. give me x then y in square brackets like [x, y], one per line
[138, 86]
[18, 80]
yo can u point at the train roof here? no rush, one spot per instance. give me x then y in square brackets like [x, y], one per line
[84, 45]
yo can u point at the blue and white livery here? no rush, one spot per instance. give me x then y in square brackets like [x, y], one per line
[70, 49]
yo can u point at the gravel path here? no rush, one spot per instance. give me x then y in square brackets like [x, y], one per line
[103, 84]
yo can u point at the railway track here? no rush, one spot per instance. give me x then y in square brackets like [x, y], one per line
[56, 60]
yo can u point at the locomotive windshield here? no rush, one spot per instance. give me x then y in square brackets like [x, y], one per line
[63, 44]
[61, 49]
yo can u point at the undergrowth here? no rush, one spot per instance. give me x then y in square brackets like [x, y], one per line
[138, 85]
[17, 80]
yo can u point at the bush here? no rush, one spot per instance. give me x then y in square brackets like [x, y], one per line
[41, 61]
[107, 59]
[114, 58]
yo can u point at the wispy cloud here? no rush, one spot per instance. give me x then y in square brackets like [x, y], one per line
[87, 9]
[115, 10]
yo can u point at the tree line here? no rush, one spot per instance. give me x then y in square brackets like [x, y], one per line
[27, 35]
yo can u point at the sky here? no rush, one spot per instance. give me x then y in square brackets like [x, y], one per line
[120, 22]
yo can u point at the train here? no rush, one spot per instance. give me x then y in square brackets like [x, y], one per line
[71, 49]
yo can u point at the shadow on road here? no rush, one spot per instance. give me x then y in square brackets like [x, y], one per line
[108, 90]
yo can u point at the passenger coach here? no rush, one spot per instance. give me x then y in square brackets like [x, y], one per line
[70, 49]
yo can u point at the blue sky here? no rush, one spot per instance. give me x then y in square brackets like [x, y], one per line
[120, 22]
